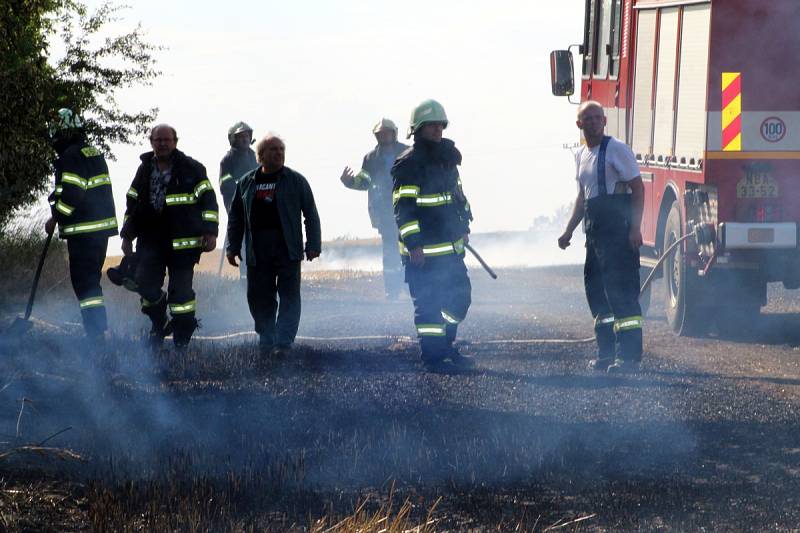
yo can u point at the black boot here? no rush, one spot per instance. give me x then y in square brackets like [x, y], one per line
[182, 328]
[158, 319]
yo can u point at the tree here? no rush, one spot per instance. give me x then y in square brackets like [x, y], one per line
[34, 85]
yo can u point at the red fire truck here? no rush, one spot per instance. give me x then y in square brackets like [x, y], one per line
[702, 92]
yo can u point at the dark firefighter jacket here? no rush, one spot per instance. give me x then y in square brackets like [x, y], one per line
[190, 209]
[376, 178]
[233, 166]
[429, 203]
[82, 202]
[294, 197]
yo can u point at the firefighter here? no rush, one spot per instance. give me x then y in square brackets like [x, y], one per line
[433, 218]
[375, 178]
[82, 206]
[172, 214]
[269, 203]
[239, 160]
[610, 199]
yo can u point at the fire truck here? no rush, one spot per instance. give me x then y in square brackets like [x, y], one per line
[703, 93]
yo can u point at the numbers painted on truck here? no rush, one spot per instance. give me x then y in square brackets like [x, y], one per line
[773, 129]
[757, 183]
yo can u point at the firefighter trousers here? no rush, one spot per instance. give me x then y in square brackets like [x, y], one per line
[274, 275]
[154, 261]
[611, 279]
[86, 257]
[441, 292]
[392, 266]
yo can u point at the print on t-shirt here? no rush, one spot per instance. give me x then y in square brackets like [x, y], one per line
[265, 192]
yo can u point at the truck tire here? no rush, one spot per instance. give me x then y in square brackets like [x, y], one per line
[684, 313]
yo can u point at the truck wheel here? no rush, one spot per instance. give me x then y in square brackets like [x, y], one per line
[683, 311]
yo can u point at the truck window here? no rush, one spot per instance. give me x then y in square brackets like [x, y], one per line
[665, 84]
[589, 37]
[616, 37]
[603, 38]
[643, 82]
[690, 133]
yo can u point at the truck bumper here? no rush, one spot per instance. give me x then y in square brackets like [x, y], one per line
[758, 236]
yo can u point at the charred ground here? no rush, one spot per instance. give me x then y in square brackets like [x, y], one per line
[704, 437]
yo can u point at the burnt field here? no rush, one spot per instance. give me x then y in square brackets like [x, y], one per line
[350, 432]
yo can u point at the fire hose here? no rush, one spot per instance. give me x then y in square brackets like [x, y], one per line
[404, 338]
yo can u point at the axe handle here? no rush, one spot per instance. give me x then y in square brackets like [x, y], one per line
[36, 276]
[486, 267]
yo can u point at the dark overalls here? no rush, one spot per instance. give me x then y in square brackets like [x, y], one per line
[611, 272]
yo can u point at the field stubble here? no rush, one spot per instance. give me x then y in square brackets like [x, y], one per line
[354, 436]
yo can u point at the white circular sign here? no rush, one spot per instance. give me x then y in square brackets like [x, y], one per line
[773, 129]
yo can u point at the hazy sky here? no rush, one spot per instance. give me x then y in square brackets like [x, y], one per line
[320, 74]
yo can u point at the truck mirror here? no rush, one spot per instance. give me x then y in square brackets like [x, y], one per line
[561, 73]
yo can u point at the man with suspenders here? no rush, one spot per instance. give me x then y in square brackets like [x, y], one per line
[610, 201]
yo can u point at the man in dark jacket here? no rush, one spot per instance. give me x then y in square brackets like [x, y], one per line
[376, 178]
[172, 214]
[82, 205]
[267, 208]
[433, 218]
[237, 162]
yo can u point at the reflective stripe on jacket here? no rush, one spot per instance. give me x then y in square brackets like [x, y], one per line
[190, 209]
[82, 201]
[429, 203]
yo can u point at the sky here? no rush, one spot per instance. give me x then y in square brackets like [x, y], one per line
[322, 73]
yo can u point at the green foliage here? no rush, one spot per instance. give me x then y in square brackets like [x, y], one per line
[86, 78]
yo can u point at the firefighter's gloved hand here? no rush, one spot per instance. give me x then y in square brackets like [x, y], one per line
[50, 225]
[311, 255]
[563, 241]
[232, 259]
[347, 177]
[635, 238]
[465, 238]
[209, 242]
[416, 256]
[127, 247]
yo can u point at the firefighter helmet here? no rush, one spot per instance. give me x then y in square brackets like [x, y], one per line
[427, 111]
[67, 120]
[385, 124]
[239, 127]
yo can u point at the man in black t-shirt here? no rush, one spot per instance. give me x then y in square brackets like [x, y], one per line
[267, 207]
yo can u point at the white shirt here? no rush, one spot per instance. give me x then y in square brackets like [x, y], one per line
[621, 167]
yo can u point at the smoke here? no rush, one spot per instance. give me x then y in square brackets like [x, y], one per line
[510, 249]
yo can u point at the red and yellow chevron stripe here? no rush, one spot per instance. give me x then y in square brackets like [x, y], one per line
[731, 111]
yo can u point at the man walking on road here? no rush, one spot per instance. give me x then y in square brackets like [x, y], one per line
[267, 210]
[172, 214]
[611, 199]
[433, 218]
[375, 178]
[82, 205]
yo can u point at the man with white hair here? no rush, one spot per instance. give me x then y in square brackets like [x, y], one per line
[611, 200]
[267, 207]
